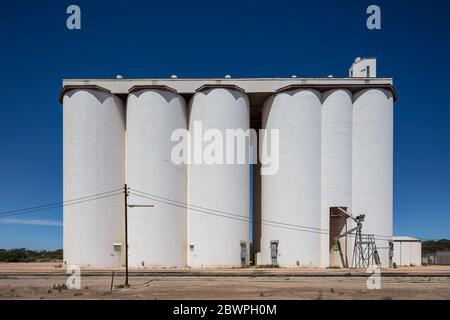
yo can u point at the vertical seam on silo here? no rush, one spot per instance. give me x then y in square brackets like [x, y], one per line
[97, 167]
[347, 240]
[323, 239]
[124, 172]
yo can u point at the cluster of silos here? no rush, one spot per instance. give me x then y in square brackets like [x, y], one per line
[201, 212]
[335, 150]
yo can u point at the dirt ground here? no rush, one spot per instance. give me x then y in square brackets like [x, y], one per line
[47, 280]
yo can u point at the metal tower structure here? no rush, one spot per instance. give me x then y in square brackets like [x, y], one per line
[365, 252]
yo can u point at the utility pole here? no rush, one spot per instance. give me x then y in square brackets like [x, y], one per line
[126, 236]
[127, 193]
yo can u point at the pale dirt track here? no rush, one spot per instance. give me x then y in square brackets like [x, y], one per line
[36, 281]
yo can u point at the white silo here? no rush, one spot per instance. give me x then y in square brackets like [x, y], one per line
[337, 120]
[94, 150]
[373, 164]
[214, 236]
[291, 206]
[157, 235]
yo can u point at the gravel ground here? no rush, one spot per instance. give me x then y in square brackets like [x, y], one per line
[30, 281]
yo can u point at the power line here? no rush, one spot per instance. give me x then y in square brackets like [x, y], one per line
[60, 204]
[241, 218]
[228, 213]
[179, 204]
[273, 224]
[225, 214]
[57, 206]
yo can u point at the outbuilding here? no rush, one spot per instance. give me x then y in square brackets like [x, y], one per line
[407, 251]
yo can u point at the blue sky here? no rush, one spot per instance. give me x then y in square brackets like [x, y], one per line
[210, 39]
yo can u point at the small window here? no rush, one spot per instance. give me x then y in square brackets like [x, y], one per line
[368, 72]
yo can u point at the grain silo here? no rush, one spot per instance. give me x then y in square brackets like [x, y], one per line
[373, 164]
[214, 239]
[291, 198]
[336, 173]
[94, 146]
[157, 235]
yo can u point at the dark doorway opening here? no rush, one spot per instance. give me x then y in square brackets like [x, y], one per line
[338, 226]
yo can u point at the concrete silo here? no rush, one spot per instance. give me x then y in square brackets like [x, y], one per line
[157, 236]
[373, 164]
[214, 238]
[291, 207]
[337, 117]
[94, 149]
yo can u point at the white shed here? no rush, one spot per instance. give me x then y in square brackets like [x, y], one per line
[407, 251]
